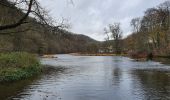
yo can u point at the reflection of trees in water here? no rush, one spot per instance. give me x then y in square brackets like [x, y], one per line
[117, 74]
[116, 71]
[156, 84]
[10, 90]
[7, 90]
[162, 60]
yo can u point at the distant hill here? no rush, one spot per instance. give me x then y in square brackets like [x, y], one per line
[33, 37]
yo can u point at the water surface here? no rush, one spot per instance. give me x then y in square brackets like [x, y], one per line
[94, 78]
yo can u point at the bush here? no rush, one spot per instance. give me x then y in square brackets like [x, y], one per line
[17, 60]
[18, 65]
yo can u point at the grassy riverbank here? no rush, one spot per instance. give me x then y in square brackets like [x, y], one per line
[18, 65]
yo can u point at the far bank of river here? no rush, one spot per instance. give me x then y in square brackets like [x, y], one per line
[161, 59]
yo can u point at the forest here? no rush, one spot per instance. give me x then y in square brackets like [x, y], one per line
[151, 32]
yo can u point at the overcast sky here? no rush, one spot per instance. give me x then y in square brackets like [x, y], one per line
[89, 17]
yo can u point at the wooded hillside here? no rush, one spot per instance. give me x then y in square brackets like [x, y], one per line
[37, 38]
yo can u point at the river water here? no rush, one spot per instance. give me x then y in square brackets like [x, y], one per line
[93, 78]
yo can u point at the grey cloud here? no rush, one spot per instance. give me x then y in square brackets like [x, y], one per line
[89, 17]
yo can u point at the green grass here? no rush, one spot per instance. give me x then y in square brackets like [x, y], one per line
[17, 66]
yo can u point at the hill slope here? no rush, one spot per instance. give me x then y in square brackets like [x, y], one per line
[32, 37]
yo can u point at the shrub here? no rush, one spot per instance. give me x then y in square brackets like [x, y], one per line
[17, 60]
[18, 65]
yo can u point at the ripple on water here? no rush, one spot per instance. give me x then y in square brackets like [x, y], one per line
[95, 78]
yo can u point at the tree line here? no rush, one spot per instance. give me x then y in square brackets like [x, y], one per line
[151, 33]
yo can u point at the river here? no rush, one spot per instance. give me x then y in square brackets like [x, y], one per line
[93, 78]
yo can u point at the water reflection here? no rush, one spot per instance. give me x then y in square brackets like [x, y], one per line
[155, 83]
[163, 60]
[7, 91]
[18, 90]
[117, 76]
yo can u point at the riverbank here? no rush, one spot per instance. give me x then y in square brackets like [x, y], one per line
[164, 59]
[17, 66]
[109, 54]
[49, 56]
[96, 54]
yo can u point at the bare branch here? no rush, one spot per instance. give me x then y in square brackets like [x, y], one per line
[14, 25]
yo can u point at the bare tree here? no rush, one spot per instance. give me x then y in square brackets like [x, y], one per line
[136, 24]
[31, 11]
[116, 31]
[152, 29]
[32, 6]
[116, 36]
